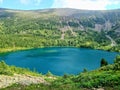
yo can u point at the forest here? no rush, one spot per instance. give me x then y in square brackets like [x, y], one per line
[35, 29]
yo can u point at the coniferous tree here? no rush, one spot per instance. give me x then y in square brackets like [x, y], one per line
[103, 62]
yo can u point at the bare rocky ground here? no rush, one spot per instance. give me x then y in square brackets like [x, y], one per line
[20, 79]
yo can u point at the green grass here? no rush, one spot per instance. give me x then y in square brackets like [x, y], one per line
[11, 70]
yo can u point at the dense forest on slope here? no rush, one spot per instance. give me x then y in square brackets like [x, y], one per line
[59, 27]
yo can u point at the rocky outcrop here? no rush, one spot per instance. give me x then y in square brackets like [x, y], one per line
[20, 79]
[98, 27]
[107, 26]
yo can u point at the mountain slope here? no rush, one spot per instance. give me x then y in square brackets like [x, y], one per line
[97, 20]
[84, 26]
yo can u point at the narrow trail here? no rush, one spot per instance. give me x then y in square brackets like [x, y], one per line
[66, 28]
[62, 36]
[63, 30]
[113, 43]
[73, 33]
[69, 28]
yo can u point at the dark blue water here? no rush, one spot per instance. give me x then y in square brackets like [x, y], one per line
[59, 60]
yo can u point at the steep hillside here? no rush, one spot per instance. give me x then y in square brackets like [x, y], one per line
[70, 26]
[59, 18]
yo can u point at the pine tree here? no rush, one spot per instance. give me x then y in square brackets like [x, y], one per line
[103, 62]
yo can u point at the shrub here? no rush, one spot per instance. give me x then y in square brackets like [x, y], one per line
[103, 62]
[49, 74]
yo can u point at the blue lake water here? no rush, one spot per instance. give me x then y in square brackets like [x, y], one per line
[58, 60]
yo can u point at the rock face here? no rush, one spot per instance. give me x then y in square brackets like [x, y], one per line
[20, 79]
[107, 26]
[98, 27]
[81, 16]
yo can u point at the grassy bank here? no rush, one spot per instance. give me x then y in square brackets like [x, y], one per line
[6, 50]
[105, 78]
[12, 49]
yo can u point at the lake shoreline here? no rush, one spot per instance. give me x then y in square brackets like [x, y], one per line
[36, 58]
[8, 50]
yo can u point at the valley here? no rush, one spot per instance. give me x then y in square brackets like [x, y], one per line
[59, 27]
[23, 30]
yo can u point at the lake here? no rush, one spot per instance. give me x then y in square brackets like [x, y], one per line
[58, 60]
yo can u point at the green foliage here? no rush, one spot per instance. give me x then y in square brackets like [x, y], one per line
[91, 79]
[33, 30]
[47, 38]
[65, 76]
[40, 87]
[49, 74]
[117, 59]
[103, 62]
[85, 70]
[104, 77]
[4, 69]
[117, 63]
[10, 70]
